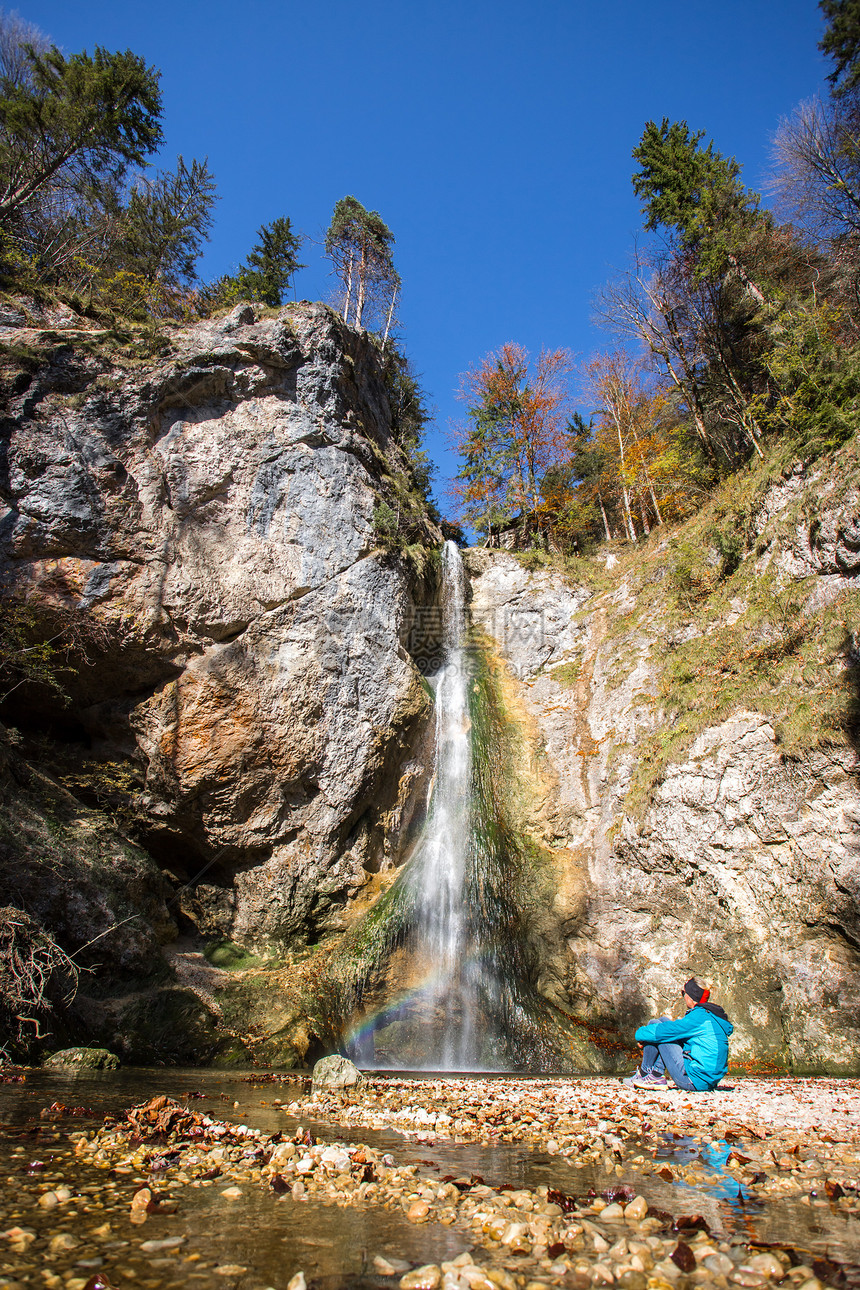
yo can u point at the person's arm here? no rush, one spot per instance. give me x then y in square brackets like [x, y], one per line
[668, 1032]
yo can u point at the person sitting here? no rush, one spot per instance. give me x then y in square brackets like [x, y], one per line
[694, 1050]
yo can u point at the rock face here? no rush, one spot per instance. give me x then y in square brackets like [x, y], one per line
[197, 528]
[205, 523]
[742, 867]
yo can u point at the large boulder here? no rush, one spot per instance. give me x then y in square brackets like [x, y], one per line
[335, 1072]
[82, 1059]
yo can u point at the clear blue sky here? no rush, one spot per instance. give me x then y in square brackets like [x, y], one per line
[493, 137]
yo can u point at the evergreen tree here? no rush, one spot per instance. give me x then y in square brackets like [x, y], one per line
[271, 264]
[694, 194]
[266, 274]
[359, 244]
[841, 42]
[79, 121]
[164, 225]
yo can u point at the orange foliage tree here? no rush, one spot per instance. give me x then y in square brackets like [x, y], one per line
[518, 409]
[648, 464]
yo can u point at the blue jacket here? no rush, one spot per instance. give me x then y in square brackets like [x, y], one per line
[703, 1033]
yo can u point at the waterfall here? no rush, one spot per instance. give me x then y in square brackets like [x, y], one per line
[440, 867]
[439, 974]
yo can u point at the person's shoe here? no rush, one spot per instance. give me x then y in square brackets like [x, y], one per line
[630, 1081]
[649, 1080]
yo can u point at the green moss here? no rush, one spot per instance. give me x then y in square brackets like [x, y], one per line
[230, 957]
[567, 674]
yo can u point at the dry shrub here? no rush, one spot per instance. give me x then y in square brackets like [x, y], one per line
[37, 980]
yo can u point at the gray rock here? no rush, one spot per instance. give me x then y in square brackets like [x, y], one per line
[212, 518]
[335, 1072]
[745, 867]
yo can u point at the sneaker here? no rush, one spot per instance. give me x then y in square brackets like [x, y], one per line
[650, 1080]
[630, 1081]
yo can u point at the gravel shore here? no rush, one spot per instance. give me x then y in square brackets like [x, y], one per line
[758, 1142]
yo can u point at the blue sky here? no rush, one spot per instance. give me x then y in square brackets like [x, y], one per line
[493, 137]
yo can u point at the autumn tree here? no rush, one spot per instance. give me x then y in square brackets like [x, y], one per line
[579, 490]
[628, 416]
[517, 410]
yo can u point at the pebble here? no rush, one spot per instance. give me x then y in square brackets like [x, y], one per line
[767, 1264]
[169, 1243]
[427, 1277]
[383, 1267]
[62, 1242]
[743, 1276]
[636, 1210]
[607, 1242]
[612, 1211]
[719, 1263]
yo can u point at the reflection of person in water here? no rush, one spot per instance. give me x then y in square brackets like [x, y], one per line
[694, 1050]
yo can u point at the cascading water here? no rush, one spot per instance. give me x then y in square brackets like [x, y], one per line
[440, 973]
[439, 868]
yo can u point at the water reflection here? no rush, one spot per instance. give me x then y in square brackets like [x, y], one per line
[275, 1237]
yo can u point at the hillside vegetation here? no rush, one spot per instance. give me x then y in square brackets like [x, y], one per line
[738, 342]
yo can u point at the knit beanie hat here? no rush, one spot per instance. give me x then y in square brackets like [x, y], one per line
[696, 992]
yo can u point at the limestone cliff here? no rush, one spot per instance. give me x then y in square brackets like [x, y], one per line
[692, 724]
[244, 754]
[197, 526]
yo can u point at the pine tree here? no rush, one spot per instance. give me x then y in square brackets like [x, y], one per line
[841, 42]
[80, 121]
[163, 228]
[359, 244]
[694, 194]
[265, 275]
[271, 264]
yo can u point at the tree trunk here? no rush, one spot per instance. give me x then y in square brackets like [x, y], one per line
[648, 479]
[362, 287]
[628, 518]
[348, 289]
[606, 528]
[389, 318]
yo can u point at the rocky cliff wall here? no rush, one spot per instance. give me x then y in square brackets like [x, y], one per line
[245, 750]
[741, 861]
[198, 528]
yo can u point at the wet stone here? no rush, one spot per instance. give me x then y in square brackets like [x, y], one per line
[427, 1277]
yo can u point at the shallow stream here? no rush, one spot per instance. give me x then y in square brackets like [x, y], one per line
[261, 1239]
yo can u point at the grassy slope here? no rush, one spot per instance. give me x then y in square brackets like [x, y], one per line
[727, 629]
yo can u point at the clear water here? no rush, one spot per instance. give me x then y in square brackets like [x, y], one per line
[273, 1238]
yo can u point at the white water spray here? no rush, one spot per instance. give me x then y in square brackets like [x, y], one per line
[440, 868]
[455, 912]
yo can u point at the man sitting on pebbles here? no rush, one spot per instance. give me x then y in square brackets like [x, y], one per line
[694, 1051]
